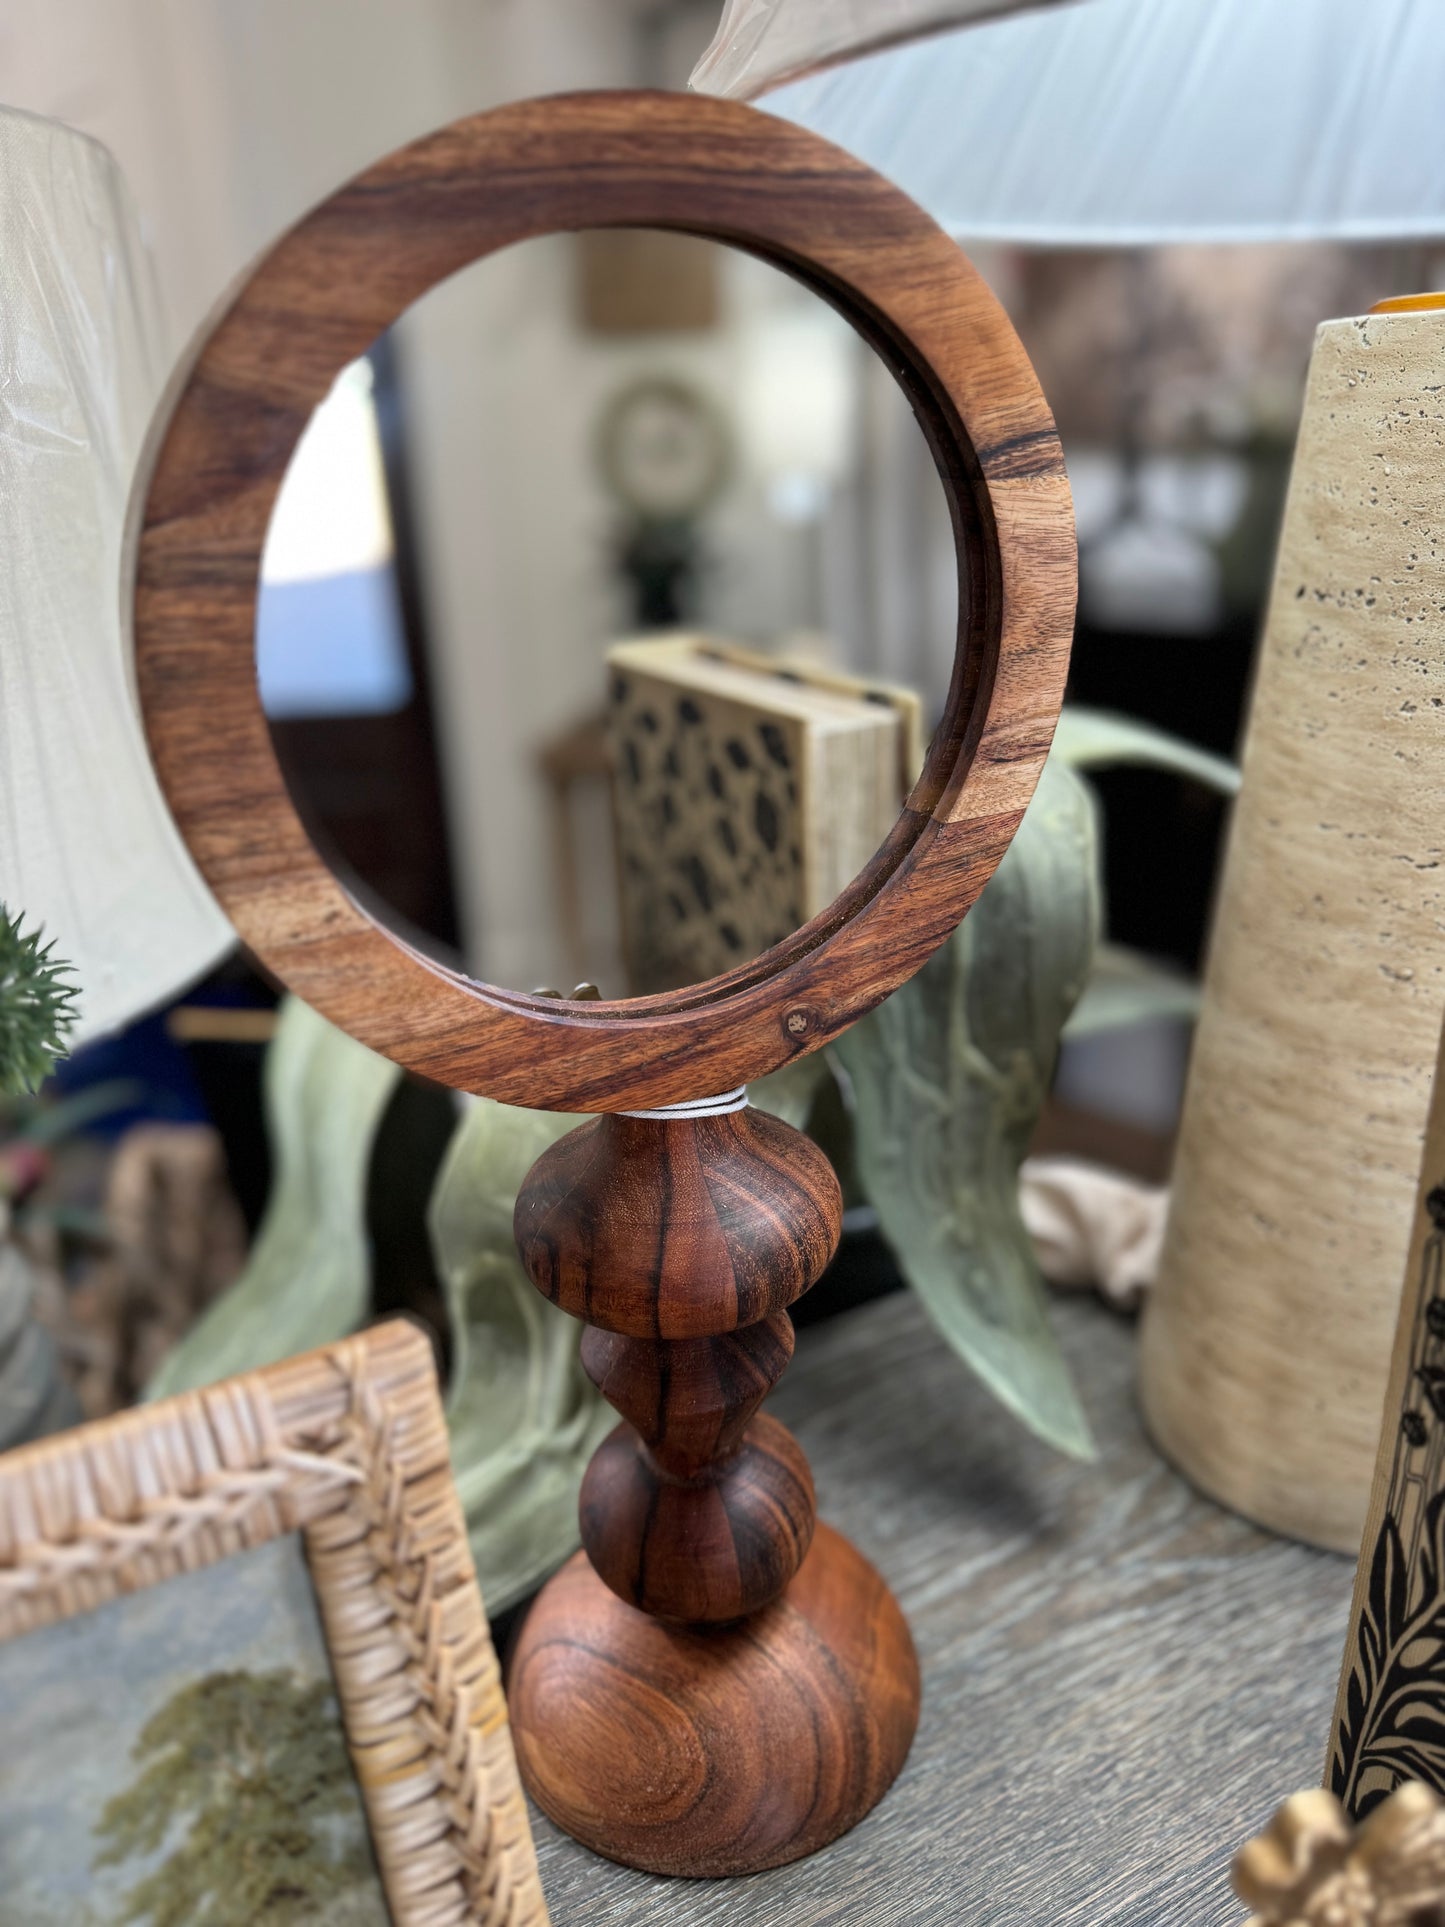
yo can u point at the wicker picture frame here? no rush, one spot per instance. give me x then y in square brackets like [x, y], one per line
[347, 1446]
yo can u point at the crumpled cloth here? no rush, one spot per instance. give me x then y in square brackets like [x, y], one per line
[1094, 1229]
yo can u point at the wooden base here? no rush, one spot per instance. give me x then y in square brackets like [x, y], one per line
[715, 1751]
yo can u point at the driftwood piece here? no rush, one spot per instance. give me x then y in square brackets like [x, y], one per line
[177, 1242]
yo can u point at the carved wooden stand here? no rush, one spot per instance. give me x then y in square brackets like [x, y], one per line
[708, 1688]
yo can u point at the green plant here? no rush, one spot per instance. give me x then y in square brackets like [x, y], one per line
[524, 1416]
[37, 1006]
[1125, 988]
[38, 1233]
[31, 1128]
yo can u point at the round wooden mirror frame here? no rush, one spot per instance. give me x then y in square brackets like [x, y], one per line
[319, 299]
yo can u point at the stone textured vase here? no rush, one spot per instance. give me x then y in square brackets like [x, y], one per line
[1267, 1344]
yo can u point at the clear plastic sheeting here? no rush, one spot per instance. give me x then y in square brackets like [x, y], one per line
[1140, 122]
[87, 846]
[762, 43]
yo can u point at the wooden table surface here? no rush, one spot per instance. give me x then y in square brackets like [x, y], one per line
[1120, 1681]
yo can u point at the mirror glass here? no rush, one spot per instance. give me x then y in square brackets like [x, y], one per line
[606, 609]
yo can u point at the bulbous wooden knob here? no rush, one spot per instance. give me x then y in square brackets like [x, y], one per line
[681, 1229]
[690, 1399]
[706, 1550]
[680, 1240]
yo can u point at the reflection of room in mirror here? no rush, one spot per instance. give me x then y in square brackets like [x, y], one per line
[579, 440]
[329, 636]
[178, 1754]
[341, 659]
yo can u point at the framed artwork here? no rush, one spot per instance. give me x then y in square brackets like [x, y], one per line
[245, 1671]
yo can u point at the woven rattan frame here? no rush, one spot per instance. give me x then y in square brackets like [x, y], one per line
[348, 1446]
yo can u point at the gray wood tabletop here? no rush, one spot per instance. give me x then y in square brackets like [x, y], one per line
[1120, 1681]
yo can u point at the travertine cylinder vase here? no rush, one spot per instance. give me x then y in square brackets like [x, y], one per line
[1267, 1344]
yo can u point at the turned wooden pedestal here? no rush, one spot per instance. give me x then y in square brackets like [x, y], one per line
[711, 1686]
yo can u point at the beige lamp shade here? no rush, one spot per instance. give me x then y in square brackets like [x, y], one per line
[87, 846]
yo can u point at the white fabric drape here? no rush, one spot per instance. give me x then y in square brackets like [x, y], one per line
[87, 846]
[1140, 122]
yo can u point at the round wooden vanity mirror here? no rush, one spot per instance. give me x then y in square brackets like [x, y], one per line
[320, 298]
[750, 1687]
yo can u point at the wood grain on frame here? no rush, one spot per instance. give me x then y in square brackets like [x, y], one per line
[349, 1446]
[320, 298]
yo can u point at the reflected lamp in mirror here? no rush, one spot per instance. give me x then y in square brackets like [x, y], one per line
[329, 635]
[798, 398]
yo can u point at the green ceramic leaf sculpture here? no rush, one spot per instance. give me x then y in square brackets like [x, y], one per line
[1102, 739]
[524, 1416]
[1126, 987]
[789, 1093]
[308, 1278]
[949, 1077]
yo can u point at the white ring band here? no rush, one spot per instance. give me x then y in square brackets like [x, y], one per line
[723, 1106]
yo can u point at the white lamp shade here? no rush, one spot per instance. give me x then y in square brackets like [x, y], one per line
[797, 395]
[762, 43]
[1140, 122]
[87, 846]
